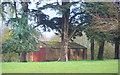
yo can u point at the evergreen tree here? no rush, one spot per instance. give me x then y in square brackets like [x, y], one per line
[69, 25]
[24, 37]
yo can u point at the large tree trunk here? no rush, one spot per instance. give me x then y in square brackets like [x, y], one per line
[116, 49]
[92, 49]
[64, 51]
[101, 50]
[23, 57]
[64, 38]
[64, 41]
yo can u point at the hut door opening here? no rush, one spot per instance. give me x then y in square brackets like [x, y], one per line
[40, 56]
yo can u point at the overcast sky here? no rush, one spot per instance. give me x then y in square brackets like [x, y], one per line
[49, 12]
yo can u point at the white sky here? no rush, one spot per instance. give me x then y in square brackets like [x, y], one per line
[49, 12]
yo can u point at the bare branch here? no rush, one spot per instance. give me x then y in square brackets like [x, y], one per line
[75, 30]
[15, 9]
[72, 34]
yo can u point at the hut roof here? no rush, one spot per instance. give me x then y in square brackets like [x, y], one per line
[71, 45]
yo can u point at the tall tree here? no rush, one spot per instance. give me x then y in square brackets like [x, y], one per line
[92, 49]
[69, 25]
[24, 36]
[91, 35]
[25, 14]
[65, 27]
[101, 50]
[104, 19]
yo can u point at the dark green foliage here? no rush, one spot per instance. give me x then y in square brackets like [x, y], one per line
[77, 18]
[22, 39]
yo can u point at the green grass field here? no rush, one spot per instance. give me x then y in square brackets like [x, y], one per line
[105, 66]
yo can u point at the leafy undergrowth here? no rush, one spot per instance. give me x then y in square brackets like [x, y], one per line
[105, 66]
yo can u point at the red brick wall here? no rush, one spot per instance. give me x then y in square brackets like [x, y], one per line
[52, 54]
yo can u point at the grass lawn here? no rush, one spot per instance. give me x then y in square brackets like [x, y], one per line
[105, 66]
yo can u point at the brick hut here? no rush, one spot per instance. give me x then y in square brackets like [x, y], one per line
[50, 51]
